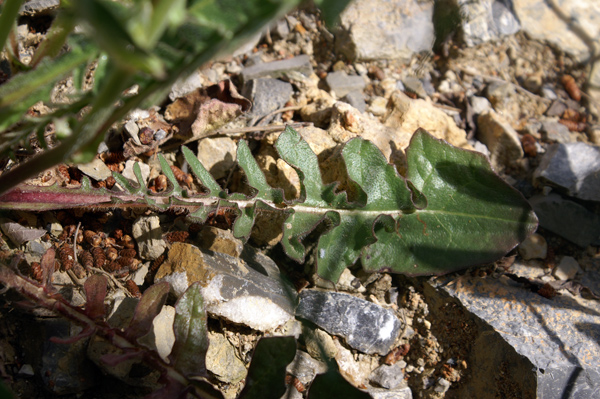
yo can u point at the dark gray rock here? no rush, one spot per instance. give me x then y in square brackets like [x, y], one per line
[356, 99]
[521, 344]
[364, 325]
[341, 83]
[388, 376]
[380, 29]
[294, 68]
[484, 20]
[555, 132]
[567, 219]
[267, 95]
[573, 167]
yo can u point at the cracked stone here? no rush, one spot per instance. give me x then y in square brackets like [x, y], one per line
[247, 290]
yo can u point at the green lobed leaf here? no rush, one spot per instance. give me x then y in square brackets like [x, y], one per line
[191, 336]
[266, 374]
[472, 215]
[452, 210]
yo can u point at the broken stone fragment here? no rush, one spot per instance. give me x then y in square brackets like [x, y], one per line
[389, 376]
[128, 171]
[500, 138]
[397, 393]
[533, 247]
[148, 235]
[342, 84]
[365, 326]
[267, 95]
[247, 290]
[221, 360]
[217, 155]
[408, 115]
[219, 240]
[573, 167]
[566, 269]
[295, 68]
[96, 169]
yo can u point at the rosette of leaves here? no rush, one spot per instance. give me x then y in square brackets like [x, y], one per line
[451, 210]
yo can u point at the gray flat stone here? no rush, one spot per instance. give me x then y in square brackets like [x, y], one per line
[267, 95]
[524, 345]
[364, 325]
[341, 83]
[574, 167]
[567, 219]
[356, 99]
[296, 67]
[555, 132]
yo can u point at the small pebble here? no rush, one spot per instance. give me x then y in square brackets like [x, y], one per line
[533, 247]
[567, 268]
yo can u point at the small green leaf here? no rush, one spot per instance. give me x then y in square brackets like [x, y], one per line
[214, 190]
[255, 176]
[191, 336]
[266, 374]
[166, 169]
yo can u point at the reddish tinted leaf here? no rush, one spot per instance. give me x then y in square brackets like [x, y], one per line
[47, 265]
[146, 310]
[95, 292]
